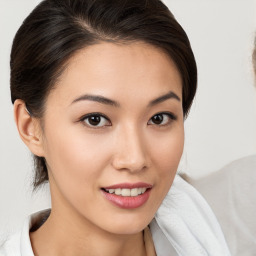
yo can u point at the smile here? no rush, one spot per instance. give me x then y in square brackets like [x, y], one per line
[126, 195]
[126, 191]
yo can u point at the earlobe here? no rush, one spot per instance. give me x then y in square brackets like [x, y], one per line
[29, 128]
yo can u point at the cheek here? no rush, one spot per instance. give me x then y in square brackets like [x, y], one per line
[76, 159]
[166, 156]
[167, 151]
[76, 162]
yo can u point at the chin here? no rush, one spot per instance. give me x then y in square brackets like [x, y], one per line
[129, 226]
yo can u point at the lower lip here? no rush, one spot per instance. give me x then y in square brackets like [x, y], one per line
[127, 202]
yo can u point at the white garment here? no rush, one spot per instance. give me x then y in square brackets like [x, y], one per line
[184, 225]
[185, 222]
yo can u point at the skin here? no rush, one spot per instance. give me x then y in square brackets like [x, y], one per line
[126, 147]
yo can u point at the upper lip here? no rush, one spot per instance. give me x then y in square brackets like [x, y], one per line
[130, 185]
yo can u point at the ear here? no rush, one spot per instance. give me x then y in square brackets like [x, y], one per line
[29, 128]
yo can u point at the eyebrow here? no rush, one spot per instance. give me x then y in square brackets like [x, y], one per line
[107, 101]
[169, 95]
[97, 98]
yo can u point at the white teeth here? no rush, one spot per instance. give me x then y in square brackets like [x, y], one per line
[134, 192]
[143, 190]
[127, 191]
[118, 191]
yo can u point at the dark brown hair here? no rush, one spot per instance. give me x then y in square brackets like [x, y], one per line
[57, 29]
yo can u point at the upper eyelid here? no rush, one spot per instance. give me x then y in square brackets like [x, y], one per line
[94, 114]
[169, 114]
[83, 118]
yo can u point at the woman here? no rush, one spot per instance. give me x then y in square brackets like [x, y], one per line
[100, 92]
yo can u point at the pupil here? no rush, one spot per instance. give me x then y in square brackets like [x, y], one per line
[94, 120]
[158, 119]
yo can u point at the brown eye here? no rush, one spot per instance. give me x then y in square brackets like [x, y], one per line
[96, 120]
[162, 119]
[157, 119]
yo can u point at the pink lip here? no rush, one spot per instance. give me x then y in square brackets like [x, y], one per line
[130, 185]
[128, 202]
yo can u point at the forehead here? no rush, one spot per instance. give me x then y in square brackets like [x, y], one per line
[119, 70]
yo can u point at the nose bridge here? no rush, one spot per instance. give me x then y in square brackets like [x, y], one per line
[130, 153]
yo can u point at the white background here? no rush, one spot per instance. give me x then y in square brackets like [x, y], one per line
[222, 123]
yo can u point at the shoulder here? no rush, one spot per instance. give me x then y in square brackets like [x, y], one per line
[19, 244]
[231, 192]
[240, 171]
[11, 246]
[232, 186]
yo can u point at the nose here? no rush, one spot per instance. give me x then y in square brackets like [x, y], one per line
[130, 151]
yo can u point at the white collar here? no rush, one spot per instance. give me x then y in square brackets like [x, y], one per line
[184, 223]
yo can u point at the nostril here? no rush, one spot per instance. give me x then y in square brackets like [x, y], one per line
[127, 164]
[130, 154]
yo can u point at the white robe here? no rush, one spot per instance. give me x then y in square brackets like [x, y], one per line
[184, 225]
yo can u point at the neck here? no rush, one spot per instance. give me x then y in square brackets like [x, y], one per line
[74, 236]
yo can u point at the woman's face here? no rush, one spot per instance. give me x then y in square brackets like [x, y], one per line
[114, 125]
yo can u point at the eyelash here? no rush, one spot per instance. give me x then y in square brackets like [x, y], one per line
[83, 119]
[169, 115]
[86, 117]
